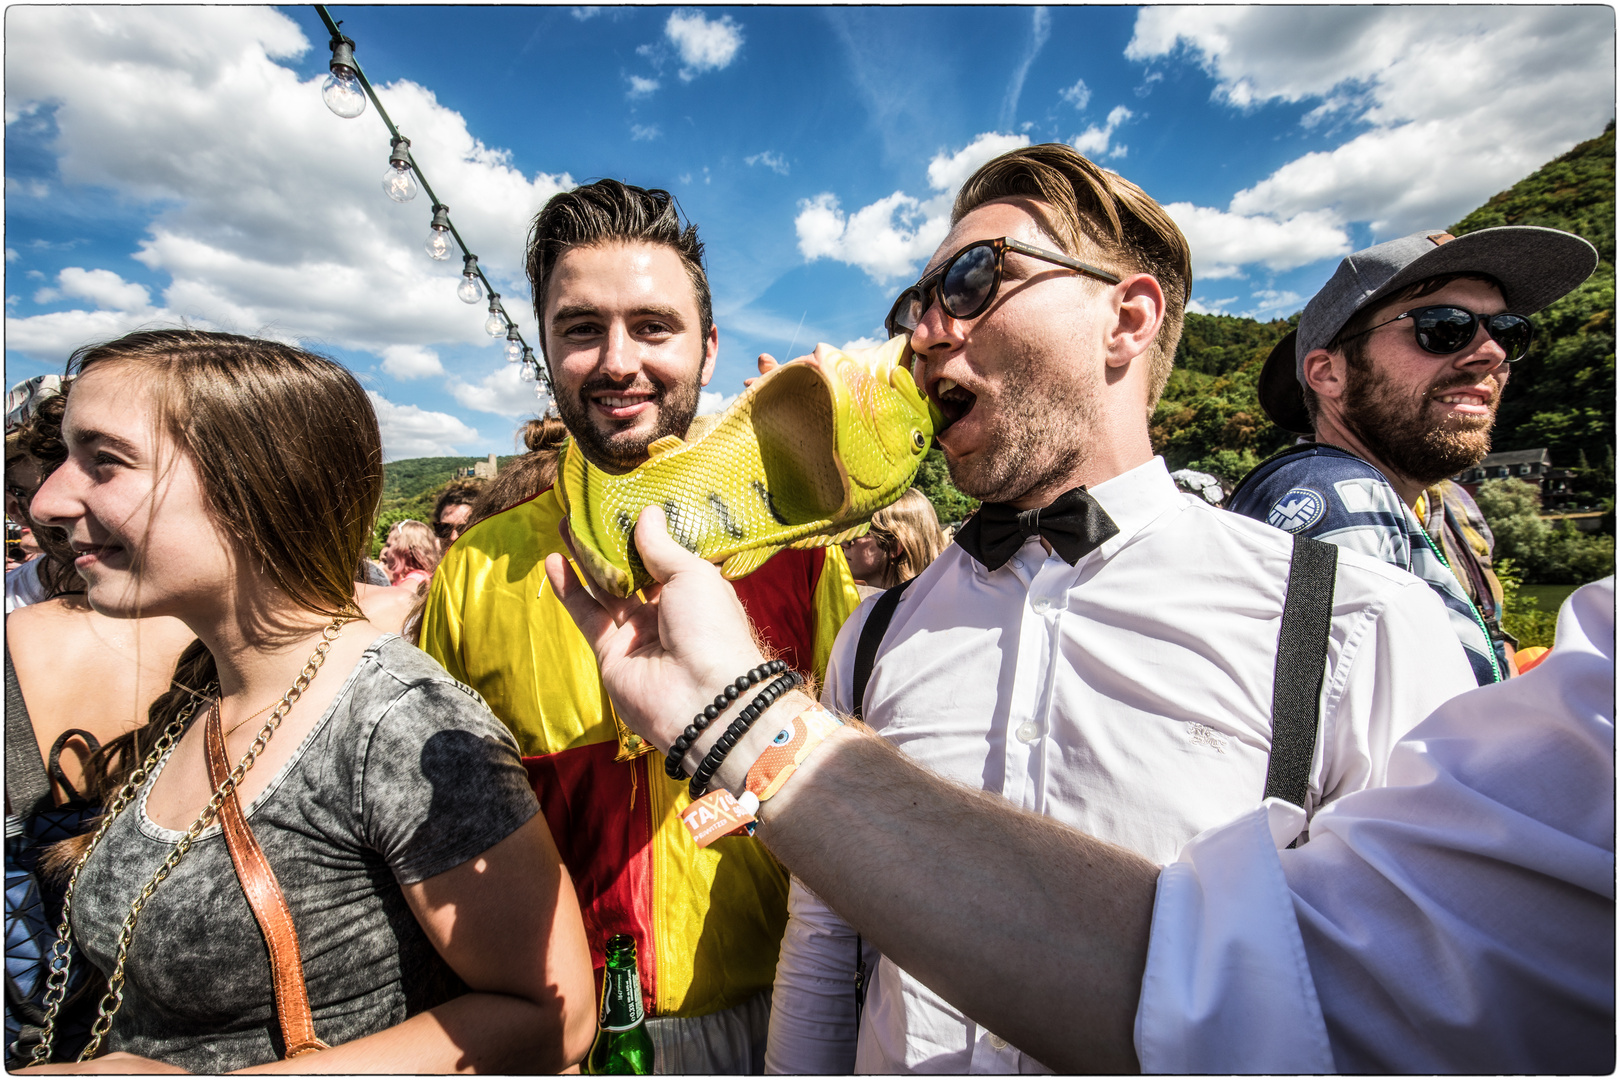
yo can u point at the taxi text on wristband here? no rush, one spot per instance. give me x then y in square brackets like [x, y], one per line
[719, 813]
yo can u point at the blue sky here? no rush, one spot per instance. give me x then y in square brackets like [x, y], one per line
[176, 164]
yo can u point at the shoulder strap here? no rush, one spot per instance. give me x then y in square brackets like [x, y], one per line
[28, 786]
[269, 905]
[53, 764]
[1301, 665]
[877, 624]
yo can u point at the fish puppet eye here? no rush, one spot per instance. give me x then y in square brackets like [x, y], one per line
[918, 443]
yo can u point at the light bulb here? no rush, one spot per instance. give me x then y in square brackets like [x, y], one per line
[398, 183]
[514, 353]
[540, 390]
[470, 291]
[438, 244]
[527, 373]
[495, 325]
[342, 93]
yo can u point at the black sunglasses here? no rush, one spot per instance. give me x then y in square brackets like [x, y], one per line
[967, 282]
[1446, 328]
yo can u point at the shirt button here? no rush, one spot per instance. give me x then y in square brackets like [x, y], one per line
[1019, 563]
[1041, 604]
[998, 1042]
[1027, 733]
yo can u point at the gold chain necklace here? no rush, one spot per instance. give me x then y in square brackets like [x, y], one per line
[61, 957]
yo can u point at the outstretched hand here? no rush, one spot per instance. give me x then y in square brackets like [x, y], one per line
[767, 364]
[664, 656]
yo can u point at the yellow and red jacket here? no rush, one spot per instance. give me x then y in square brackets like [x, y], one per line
[708, 922]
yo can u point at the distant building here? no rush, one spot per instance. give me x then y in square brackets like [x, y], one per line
[1531, 466]
[484, 470]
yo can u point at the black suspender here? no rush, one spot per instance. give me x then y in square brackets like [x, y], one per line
[1296, 688]
[877, 624]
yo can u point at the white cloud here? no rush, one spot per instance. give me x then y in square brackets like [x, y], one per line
[501, 392]
[149, 104]
[411, 362]
[1272, 303]
[11, 255]
[1078, 95]
[52, 336]
[411, 431]
[586, 12]
[640, 87]
[703, 44]
[713, 401]
[863, 343]
[644, 133]
[771, 160]
[888, 238]
[1040, 30]
[1213, 307]
[947, 172]
[1222, 242]
[1094, 141]
[1455, 103]
[104, 288]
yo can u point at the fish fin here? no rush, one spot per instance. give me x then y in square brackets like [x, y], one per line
[746, 562]
[824, 540]
[664, 445]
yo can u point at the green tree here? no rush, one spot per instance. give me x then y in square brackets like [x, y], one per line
[934, 480]
[1545, 555]
[1521, 617]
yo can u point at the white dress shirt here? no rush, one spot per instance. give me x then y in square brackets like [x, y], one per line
[1459, 920]
[1129, 696]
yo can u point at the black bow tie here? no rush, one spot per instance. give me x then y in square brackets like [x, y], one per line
[1073, 524]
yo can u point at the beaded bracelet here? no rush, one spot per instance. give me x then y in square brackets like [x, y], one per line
[722, 746]
[673, 763]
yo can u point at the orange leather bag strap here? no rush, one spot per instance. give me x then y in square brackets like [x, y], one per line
[269, 905]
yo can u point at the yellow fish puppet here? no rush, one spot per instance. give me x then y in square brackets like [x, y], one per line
[803, 458]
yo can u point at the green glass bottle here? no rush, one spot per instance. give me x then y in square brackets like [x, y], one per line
[622, 1044]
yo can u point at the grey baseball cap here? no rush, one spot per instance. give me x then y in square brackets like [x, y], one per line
[1534, 265]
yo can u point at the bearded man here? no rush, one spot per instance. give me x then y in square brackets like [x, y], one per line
[1396, 371]
[627, 330]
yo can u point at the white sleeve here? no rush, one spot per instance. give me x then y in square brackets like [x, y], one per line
[1397, 663]
[1461, 919]
[813, 1004]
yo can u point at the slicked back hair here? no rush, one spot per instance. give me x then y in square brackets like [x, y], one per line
[609, 211]
[1095, 210]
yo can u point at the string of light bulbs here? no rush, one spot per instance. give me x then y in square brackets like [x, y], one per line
[345, 92]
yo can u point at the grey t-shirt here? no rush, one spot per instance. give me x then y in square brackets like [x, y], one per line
[406, 776]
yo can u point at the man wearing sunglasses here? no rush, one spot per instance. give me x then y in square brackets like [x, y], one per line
[1396, 372]
[1094, 647]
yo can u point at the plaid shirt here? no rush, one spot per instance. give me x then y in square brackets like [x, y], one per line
[1331, 495]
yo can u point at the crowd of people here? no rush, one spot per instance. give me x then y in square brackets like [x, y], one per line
[1122, 773]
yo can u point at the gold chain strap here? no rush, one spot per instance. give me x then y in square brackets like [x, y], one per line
[56, 984]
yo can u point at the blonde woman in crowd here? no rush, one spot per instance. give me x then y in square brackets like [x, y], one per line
[411, 553]
[904, 538]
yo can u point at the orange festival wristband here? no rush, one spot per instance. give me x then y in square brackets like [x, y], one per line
[719, 813]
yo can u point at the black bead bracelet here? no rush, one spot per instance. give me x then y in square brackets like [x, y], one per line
[722, 746]
[673, 767]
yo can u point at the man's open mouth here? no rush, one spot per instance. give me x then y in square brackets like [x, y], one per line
[954, 402]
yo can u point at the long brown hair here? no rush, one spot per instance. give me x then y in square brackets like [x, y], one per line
[289, 458]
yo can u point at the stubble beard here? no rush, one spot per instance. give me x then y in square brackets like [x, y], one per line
[1400, 435]
[1040, 438]
[621, 451]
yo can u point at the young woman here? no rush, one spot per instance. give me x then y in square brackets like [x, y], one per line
[232, 483]
[903, 540]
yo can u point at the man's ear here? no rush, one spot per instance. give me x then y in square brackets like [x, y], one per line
[711, 353]
[1325, 373]
[1139, 314]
